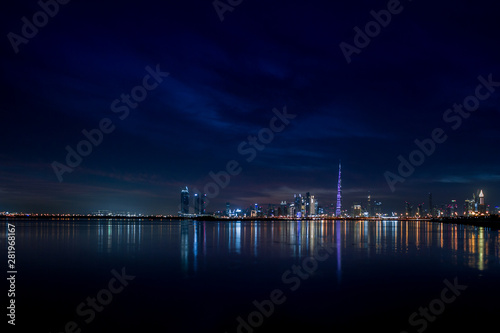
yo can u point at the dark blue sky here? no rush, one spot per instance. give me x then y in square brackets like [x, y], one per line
[225, 78]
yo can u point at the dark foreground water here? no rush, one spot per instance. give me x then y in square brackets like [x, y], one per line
[247, 277]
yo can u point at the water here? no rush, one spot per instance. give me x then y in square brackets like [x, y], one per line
[202, 276]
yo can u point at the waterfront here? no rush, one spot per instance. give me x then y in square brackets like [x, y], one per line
[193, 276]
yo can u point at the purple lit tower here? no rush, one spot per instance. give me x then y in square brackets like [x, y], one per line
[338, 211]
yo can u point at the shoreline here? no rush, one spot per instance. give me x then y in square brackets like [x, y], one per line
[492, 221]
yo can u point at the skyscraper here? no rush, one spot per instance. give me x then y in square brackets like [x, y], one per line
[408, 209]
[196, 203]
[298, 205]
[308, 204]
[377, 209]
[482, 206]
[369, 205]
[184, 201]
[199, 203]
[203, 203]
[338, 211]
[356, 209]
[283, 209]
[431, 207]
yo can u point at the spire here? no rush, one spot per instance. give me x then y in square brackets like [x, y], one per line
[481, 195]
[338, 211]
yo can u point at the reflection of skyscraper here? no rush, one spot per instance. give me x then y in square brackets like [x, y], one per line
[338, 211]
[185, 201]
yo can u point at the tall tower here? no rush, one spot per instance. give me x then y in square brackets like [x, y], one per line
[369, 205]
[184, 201]
[431, 207]
[338, 211]
[196, 203]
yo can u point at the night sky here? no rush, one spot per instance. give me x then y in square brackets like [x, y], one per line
[224, 80]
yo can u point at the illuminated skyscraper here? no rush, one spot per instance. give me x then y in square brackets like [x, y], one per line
[199, 203]
[482, 206]
[308, 204]
[369, 205]
[377, 209]
[298, 205]
[338, 211]
[196, 203]
[184, 201]
[203, 203]
[356, 209]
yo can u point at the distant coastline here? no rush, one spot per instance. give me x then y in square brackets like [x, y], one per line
[490, 221]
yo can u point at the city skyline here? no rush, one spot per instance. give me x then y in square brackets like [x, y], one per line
[120, 113]
[452, 207]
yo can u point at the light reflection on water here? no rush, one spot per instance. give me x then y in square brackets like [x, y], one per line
[475, 247]
[381, 270]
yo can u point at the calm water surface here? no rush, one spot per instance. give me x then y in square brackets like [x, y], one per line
[205, 276]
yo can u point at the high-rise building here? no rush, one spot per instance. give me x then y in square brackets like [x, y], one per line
[228, 209]
[314, 206]
[338, 211]
[431, 207]
[482, 206]
[377, 209]
[199, 203]
[356, 209]
[291, 210]
[196, 199]
[369, 206]
[203, 203]
[452, 209]
[298, 203]
[184, 201]
[307, 205]
[420, 210]
[408, 209]
[283, 209]
[271, 210]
